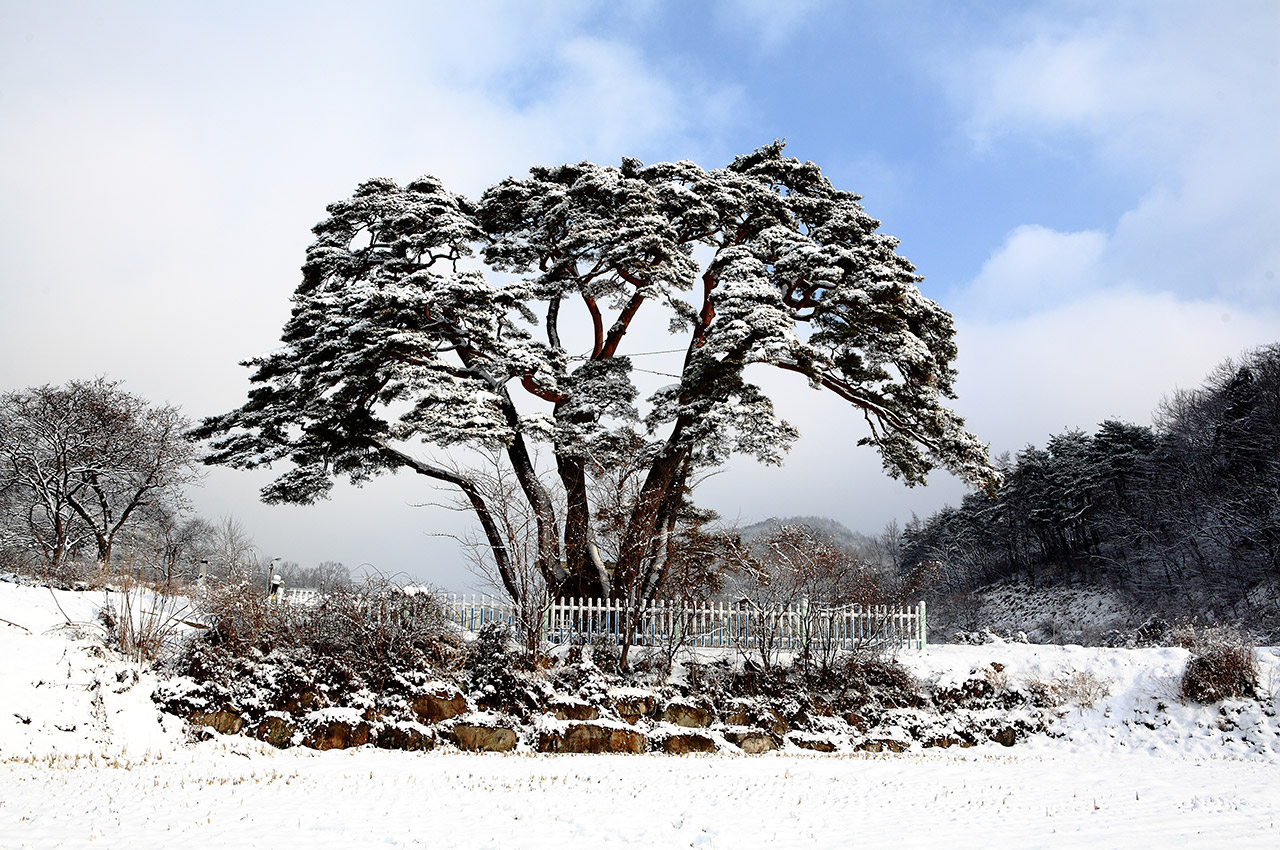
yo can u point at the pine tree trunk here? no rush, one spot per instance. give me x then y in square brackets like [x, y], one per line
[658, 501]
[586, 575]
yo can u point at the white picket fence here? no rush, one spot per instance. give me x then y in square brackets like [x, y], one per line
[299, 595]
[711, 624]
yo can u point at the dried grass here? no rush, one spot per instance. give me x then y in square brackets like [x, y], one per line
[1070, 687]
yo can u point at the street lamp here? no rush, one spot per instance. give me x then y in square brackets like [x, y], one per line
[274, 587]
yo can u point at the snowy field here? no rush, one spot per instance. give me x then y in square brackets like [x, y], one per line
[87, 761]
[238, 797]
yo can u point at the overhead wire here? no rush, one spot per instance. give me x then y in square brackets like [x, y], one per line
[635, 354]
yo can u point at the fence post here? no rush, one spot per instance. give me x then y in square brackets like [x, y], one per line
[804, 624]
[922, 627]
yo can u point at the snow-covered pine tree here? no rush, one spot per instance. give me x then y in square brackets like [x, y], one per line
[424, 318]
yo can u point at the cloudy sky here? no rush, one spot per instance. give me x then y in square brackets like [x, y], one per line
[1093, 189]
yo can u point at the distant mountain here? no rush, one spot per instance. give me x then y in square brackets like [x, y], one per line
[829, 528]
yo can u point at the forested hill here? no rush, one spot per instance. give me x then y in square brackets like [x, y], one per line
[882, 550]
[835, 530]
[1184, 511]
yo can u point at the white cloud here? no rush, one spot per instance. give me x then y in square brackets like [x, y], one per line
[142, 193]
[1036, 266]
[604, 102]
[1112, 353]
[1182, 98]
[1213, 229]
[772, 23]
[1148, 82]
[1041, 83]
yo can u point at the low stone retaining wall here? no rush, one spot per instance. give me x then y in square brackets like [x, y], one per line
[625, 720]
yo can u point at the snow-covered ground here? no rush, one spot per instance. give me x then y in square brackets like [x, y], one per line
[87, 760]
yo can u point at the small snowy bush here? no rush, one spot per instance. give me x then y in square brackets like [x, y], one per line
[144, 623]
[68, 574]
[1222, 666]
[1072, 687]
[501, 672]
[876, 679]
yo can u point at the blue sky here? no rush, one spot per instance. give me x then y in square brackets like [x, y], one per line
[1093, 189]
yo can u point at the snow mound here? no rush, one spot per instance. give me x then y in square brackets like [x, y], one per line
[62, 693]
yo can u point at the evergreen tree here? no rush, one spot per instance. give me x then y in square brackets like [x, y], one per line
[426, 318]
[1189, 508]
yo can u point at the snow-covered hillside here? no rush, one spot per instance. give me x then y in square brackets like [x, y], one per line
[87, 759]
[1053, 614]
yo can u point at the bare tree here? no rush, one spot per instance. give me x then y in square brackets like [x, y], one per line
[41, 445]
[228, 552]
[331, 575]
[173, 544]
[505, 557]
[87, 463]
[798, 569]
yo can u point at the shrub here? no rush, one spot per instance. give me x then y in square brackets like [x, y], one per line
[372, 631]
[243, 619]
[876, 679]
[1222, 666]
[777, 681]
[1084, 688]
[70, 573]
[500, 672]
[144, 610]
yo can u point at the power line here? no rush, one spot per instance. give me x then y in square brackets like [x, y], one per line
[651, 372]
[635, 354]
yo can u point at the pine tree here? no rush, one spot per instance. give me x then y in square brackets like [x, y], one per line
[424, 317]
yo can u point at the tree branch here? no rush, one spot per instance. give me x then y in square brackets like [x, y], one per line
[597, 325]
[501, 556]
[619, 328]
